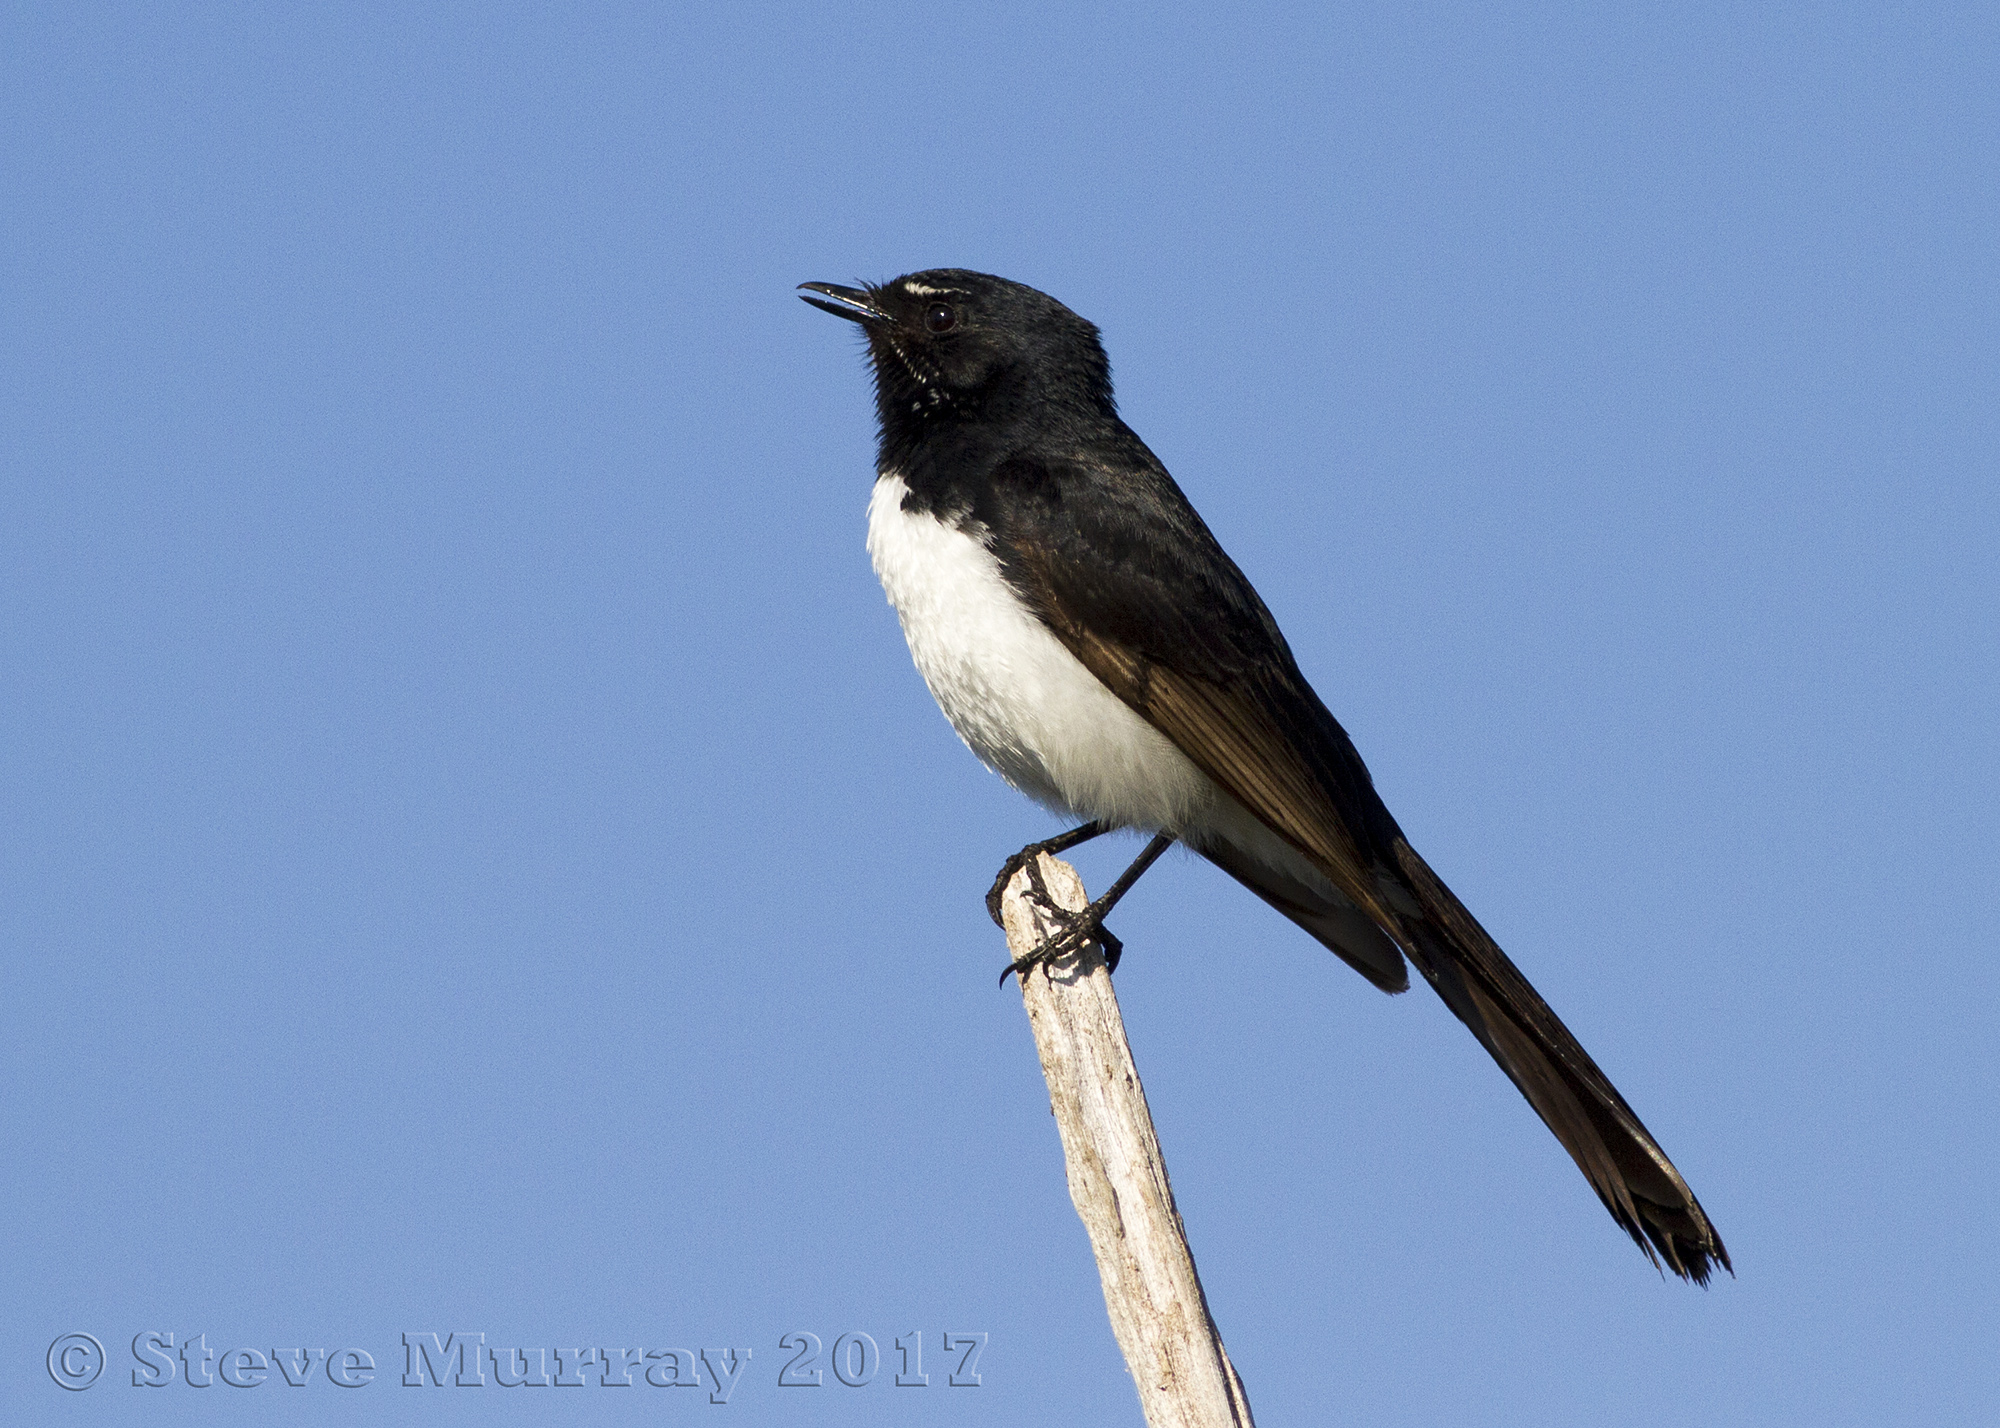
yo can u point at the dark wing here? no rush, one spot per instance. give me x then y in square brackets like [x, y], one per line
[1337, 924]
[1108, 552]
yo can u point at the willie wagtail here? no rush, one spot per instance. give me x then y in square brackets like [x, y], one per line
[1091, 642]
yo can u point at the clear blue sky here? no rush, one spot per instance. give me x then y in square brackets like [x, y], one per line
[478, 857]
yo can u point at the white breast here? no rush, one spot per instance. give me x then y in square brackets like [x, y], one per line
[1020, 700]
[1035, 715]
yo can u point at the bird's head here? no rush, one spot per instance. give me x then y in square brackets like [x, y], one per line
[951, 345]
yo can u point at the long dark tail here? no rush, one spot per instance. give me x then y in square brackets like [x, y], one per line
[1620, 1158]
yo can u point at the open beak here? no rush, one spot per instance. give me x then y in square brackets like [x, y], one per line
[854, 304]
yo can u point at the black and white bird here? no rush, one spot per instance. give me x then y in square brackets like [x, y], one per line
[1089, 639]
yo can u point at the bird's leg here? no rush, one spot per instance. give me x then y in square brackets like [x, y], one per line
[1061, 843]
[1088, 925]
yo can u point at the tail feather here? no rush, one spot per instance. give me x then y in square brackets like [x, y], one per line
[1624, 1164]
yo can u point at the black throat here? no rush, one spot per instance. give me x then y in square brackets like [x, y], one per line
[946, 443]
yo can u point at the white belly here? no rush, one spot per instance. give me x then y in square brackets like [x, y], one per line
[1020, 700]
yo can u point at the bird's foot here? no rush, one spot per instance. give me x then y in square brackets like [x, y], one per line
[1027, 859]
[1079, 929]
[1070, 939]
[1061, 843]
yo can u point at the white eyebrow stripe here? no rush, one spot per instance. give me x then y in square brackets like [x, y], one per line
[921, 291]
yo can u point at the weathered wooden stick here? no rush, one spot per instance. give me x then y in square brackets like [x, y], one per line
[1117, 1177]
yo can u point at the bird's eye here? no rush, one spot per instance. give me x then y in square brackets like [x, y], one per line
[940, 317]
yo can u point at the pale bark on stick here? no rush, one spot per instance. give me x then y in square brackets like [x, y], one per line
[1117, 1176]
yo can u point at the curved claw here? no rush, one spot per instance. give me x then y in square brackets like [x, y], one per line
[1007, 870]
[1113, 948]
